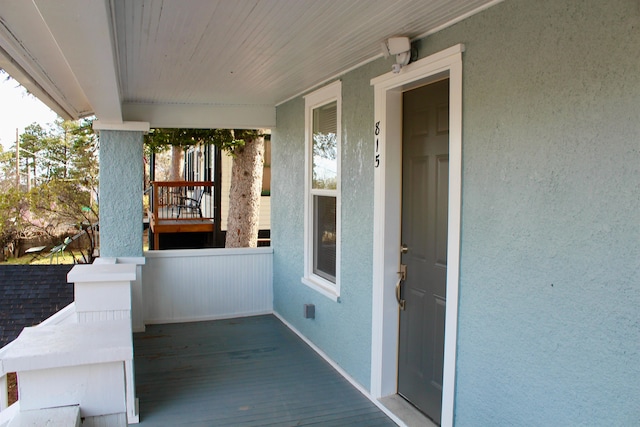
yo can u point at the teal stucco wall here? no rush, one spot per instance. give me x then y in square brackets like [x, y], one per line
[341, 329]
[121, 180]
[549, 318]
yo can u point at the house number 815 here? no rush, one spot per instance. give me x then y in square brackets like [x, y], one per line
[377, 153]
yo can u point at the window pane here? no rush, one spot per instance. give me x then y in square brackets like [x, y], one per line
[325, 162]
[324, 237]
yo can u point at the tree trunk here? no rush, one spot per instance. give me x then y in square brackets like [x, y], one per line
[176, 163]
[244, 195]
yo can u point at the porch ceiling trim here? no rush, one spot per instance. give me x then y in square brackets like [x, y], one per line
[208, 65]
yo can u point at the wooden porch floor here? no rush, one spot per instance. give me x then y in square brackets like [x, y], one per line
[241, 372]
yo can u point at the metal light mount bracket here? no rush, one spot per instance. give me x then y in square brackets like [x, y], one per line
[401, 48]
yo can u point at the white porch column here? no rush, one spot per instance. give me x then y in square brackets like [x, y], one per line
[121, 186]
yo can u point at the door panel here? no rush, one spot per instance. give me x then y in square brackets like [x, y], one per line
[425, 183]
[417, 206]
[442, 211]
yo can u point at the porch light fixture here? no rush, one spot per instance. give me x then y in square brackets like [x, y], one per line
[401, 48]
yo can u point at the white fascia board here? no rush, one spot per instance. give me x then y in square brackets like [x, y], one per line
[24, 67]
[25, 79]
[82, 31]
[202, 116]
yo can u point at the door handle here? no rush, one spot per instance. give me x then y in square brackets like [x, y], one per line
[401, 302]
[403, 272]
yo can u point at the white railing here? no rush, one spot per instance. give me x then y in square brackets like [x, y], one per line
[207, 284]
[4, 385]
[80, 357]
[64, 316]
[176, 286]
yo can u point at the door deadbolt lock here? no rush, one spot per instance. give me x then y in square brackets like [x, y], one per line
[404, 249]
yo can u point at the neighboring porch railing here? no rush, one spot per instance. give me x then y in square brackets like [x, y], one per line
[181, 206]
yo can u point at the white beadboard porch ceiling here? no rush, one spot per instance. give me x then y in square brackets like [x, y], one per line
[182, 62]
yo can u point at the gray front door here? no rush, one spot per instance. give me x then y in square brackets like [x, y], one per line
[425, 183]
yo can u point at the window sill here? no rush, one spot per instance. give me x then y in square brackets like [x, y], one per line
[327, 291]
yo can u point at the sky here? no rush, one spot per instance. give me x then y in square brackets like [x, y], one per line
[18, 109]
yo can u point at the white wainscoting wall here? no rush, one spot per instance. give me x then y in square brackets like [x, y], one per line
[206, 284]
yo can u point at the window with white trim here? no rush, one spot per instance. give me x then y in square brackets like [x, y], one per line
[322, 190]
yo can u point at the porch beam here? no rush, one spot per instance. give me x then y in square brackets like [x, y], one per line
[99, 125]
[82, 31]
[202, 116]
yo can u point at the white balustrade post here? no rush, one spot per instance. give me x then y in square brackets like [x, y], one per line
[107, 290]
[137, 305]
[4, 392]
[102, 291]
[133, 414]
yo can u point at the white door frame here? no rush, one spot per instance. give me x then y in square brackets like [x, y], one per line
[389, 89]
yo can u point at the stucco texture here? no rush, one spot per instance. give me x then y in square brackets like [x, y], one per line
[549, 319]
[341, 329]
[549, 329]
[121, 176]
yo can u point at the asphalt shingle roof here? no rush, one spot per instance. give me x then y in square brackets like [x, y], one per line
[30, 294]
